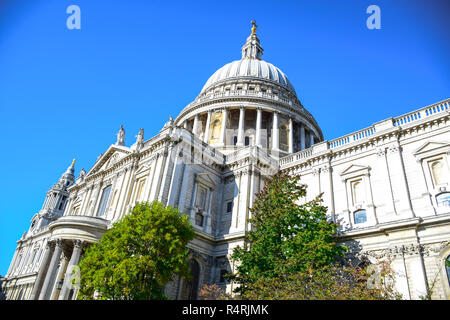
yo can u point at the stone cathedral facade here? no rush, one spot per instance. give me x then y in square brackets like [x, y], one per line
[387, 185]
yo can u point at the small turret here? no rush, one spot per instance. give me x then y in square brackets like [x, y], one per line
[56, 200]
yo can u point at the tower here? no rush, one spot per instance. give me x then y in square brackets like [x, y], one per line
[55, 200]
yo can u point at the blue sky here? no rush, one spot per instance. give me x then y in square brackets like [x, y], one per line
[64, 93]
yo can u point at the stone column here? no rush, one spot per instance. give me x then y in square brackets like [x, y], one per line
[51, 270]
[208, 124]
[224, 126]
[258, 127]
[42, 270]
[311, 138]
[60, 275]
[291, 135]
[275, 133]
[195, 128]
[74, 259]
[302, 137]
[185, 124]
[240, 139]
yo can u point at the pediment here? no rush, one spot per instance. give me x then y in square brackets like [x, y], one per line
[205, 179]
[432, 147]
[355, 168]
[114, 154]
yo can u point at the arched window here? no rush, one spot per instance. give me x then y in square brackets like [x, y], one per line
[104, 201]
[360, 216]
[439, 172]
[443, 199]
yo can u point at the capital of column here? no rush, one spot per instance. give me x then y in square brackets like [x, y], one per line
[50, 245]
[77, 243]
[59, 243]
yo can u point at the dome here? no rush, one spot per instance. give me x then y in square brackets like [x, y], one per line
[250, 102]
[251, 68]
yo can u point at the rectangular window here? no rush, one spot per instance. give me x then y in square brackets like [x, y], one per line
[201, 198]
[229, 206]
[104, 201]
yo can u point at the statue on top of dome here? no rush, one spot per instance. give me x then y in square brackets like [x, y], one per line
[254, 27]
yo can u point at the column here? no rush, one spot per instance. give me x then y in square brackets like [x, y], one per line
[224, 126]
[302, 136]
[240, 139]
[195, 128]
[60, 276]
[291, 135]
[51, 269]
[311, 138]
[208, 124]
[185, 124]
[275, 135]
[43, 268]
[74, 259]
[258, 127]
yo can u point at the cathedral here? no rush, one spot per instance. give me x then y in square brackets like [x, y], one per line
[388, 185]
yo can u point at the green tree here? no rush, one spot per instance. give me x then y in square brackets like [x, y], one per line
[286, 238]
[138, 255]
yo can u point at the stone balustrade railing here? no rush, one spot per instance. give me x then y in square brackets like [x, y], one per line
[422, 113]
[367, 132]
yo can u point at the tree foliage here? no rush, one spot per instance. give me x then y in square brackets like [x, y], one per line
[138, 255]
[333, 282]
[286, 237]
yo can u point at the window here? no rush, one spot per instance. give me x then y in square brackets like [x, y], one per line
[141, 184]
[104, 201]
[234, 140]
[358, 192]
[439, 172]
[447, 268]
[35, 251]
[443, 199]
[229, 206]
[247, 141]
[360, 216]
[199, 219]
[201, 198]
[61, 204]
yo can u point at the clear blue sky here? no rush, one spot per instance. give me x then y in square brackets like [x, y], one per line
[64, 93]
